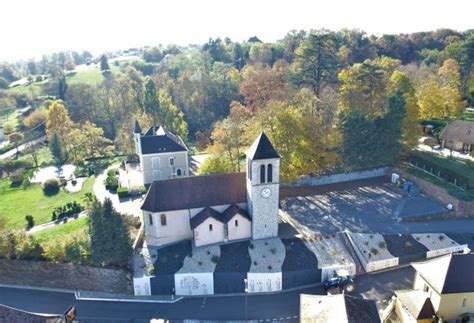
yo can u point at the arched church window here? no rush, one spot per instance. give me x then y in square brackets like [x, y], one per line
[262, 174]
[269, 173]
[178, 172]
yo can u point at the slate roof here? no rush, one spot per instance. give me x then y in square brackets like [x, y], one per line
[417, 303]
[204, 215]
[448, 274]
[338, 308]
[195, 192]
[159, 140]
[231, 211]
[262, 148]
[459, 130]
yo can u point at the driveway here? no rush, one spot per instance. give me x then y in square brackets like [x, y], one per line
[128, 205]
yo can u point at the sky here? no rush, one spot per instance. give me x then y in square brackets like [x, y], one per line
[31, 28]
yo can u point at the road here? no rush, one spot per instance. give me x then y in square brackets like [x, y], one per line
[259, 307]
[12, 152]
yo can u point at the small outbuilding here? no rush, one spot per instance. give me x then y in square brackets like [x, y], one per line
[458, 135]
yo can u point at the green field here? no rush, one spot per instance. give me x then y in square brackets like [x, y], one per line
[16, 202]
[63, 230]
[45, 157]
[11, 117]
[91, 75]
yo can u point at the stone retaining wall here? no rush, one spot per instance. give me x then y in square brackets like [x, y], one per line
[461, 208]
[338, 178]
[65, 276]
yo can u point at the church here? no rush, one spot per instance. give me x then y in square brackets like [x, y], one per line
[217, 208]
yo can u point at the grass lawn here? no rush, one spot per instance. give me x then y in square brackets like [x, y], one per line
[452, 190]
[45, 157]
[15, 203]
[11, 117]
[455, 165]
[63, 230]
[91, 75]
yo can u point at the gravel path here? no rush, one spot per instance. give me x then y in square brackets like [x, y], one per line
[201, 260]
[267, 255]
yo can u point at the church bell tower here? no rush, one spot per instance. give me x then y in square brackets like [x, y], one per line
[263, 185]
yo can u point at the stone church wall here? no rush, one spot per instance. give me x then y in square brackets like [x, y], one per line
[338, 178]
[194, 284]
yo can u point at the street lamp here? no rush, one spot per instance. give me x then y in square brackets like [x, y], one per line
[246, 305]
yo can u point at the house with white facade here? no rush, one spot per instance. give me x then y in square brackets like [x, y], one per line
[163, 155]
[217, 208]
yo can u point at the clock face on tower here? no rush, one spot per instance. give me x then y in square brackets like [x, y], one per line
[266, 192]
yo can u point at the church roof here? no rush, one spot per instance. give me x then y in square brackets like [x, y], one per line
[337, 308]
[448, 274]
[137, 129]
[417, 302]
[204, 215]
[262, 148]
[195, 192]
[231, 211]
[159, 140]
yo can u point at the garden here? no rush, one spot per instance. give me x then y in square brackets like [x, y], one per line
[20, 201]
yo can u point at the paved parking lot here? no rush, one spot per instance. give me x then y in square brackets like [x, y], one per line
[365, 206]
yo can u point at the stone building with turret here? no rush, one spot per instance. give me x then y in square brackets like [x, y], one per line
[217, 208]
[162, 154]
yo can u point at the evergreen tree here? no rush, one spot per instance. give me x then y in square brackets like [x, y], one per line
[151, 103]
[57, 148]
[316, 62]
[104, 64]
[110, 238]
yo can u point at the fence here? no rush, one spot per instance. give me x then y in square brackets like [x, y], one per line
[449, 176]
[340, 177]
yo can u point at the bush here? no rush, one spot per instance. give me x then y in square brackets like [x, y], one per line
[111, 183]
[123, 192]
[51, 187]
[65, 211]
[111, 173]
[38, 78]
[215, 259]
[30, 222]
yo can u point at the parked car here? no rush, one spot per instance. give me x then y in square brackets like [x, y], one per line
[345, 283]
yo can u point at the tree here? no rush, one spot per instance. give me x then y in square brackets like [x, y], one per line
[229, 138]
[31, 67]
[364, 86]
[411, 128]
[88, 141]
[215, 165]
[170, 116]
[110, 237]
[16, 138]
[56, 145]
[316, 61]
[104, 64]
[35, 119]
[58, 121]
[153, 54]
[372, 140]
[261, 85]
[3, 83]
[151, 102]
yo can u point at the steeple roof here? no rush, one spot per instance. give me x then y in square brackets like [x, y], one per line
[138, 129]
[262, 148]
